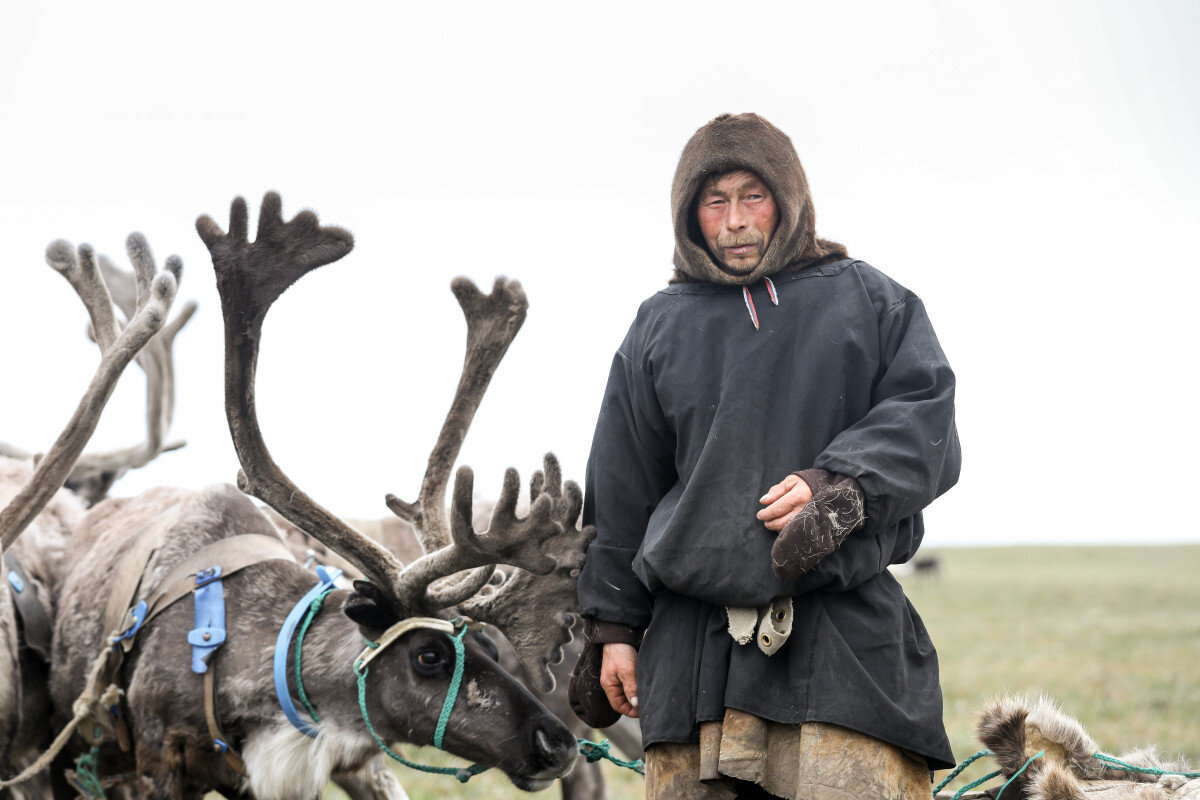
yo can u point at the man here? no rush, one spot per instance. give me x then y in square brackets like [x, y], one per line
[774, 422]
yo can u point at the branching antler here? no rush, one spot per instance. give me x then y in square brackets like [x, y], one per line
[250, 277]
[493, 321]
[95, 473]
[154, 294]
[530, 605]
[545, 546]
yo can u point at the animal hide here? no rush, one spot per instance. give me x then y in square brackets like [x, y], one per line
[1016, 728]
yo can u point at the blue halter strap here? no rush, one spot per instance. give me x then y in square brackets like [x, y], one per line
[327, 577]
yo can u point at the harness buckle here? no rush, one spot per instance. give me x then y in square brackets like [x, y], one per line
[130, 624]
[209, 632]
[207, 576]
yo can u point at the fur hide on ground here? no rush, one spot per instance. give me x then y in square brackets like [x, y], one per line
[1016, 728]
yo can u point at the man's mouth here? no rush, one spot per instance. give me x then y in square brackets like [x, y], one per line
[740, 250]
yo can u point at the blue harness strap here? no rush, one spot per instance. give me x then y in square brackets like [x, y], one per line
[284, 640]
[209, 633]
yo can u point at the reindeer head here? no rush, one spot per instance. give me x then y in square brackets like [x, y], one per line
[531, 605]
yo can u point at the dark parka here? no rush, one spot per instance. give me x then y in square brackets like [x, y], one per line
[703, 413]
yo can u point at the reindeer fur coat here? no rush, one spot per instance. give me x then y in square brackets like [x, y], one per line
[703, 412]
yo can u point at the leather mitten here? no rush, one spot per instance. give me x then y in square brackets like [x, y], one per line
[584, 692]
[835, 511]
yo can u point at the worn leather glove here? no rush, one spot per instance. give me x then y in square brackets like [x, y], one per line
[835, 511]
[584, 692]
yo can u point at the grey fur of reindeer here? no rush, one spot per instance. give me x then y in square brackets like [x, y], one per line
[38, 516]
[496, 721]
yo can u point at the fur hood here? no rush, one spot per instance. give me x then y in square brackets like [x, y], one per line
[746, 141]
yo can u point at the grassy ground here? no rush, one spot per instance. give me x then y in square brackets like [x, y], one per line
[1113, 633]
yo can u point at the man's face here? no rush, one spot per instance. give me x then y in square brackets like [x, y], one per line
[737, 216]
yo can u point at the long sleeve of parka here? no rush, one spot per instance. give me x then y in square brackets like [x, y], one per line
[904, 453]
[629, 470]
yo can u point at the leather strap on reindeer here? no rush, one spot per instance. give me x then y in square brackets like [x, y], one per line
[232, 554]
[36, 627]
[305, 605]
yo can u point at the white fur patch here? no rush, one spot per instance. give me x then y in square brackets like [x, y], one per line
[282, 763]
[478, 698]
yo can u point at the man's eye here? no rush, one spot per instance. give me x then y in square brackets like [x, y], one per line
[754, 197]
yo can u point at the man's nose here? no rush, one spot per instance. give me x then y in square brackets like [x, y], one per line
[735, 220]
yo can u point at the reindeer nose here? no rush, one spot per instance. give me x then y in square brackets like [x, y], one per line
[554, 743]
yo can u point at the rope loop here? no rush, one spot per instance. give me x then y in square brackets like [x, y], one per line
[461, 774]
[594, 752]
[87, 769]
[313, 609]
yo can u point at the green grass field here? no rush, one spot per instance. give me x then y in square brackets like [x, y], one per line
[1111, 632]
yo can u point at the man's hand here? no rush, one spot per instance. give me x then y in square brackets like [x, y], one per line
[618, 678]
[783, 501]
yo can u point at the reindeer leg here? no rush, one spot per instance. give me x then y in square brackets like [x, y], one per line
[60, 789]
[586, 782]
[373, 782]
[159, 763]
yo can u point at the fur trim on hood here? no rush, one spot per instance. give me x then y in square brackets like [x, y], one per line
[746, 141]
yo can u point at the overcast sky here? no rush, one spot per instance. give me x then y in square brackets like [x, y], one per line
[1029, 169]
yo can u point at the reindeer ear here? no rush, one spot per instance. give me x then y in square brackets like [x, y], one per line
[370, 607]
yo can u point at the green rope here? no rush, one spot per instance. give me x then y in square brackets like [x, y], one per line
[1110, 762]
[958, 770]
[313, 608]
[973, 784]
[590, 750]
[463, 775]
[460, 658]
[593, 752]
[87, 770]
[1117, 763]
[1017, 774]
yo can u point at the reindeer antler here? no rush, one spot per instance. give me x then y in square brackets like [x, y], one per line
[530, 606]
[250, 277]
[95, 473]
[493, 321]
[545, 546]
[154, 294]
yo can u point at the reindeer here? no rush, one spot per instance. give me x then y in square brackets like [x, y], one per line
[30, 487]
[403, 682]
[586, 781]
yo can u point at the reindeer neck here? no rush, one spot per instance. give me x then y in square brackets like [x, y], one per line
[329, 647]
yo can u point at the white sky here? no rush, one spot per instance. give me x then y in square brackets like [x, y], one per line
[1030, 169]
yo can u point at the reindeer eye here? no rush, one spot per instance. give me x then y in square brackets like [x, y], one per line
[429, 658]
